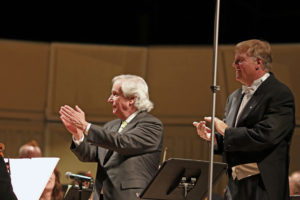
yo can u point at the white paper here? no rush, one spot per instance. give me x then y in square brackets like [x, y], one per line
[29, 176]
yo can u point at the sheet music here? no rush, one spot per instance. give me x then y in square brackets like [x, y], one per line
[29, 176]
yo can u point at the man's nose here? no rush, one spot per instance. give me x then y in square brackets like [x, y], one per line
[234, 64]
[109, 100]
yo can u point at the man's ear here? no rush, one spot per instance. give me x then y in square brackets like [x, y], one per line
[132, 100]
[259, 61]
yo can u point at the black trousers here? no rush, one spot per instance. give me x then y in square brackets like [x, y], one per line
[250, 188]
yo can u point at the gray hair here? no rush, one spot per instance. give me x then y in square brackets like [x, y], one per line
[258, 49]
[132, 85]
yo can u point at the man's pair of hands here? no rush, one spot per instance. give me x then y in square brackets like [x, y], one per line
[73, 120]
[205, 132]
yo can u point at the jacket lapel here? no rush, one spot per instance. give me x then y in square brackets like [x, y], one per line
[129, 126]
[236, 102]
[107, 156]
[109, 152]
[132, 123]
[250, 106]
[255, 99]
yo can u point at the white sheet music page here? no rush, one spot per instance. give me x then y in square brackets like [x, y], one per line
[29, 176]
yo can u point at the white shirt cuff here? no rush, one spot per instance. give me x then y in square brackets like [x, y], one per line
[87, 129]
[78, 142]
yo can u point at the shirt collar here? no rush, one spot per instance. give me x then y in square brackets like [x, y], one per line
[131, 117]
[256, 83]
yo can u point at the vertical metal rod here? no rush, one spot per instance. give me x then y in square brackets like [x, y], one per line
[214, 88]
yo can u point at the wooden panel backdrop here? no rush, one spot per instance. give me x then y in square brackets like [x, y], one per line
[37, 78]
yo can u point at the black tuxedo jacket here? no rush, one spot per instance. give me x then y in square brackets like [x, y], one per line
[127, 161]
[262, 134]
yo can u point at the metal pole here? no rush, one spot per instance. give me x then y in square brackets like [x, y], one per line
[214, 87]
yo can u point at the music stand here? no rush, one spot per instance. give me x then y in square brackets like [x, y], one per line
[295, 197]
[179, 179]
[76, 193]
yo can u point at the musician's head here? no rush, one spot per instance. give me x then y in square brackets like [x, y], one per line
[252, 60]
[30, 150]
[129, 94]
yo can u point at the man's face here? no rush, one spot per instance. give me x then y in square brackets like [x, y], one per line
[120, 104]
[246, 68]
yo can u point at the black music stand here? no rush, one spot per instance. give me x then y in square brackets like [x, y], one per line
[295, 197]
[76, 193]
[179, 179]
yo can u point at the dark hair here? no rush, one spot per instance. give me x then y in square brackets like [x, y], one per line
[57, 193]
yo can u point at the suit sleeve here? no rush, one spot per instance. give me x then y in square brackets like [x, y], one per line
[85, 151]
[146, 136]
[219, 146]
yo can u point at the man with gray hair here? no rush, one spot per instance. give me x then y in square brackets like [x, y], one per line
[127, 149]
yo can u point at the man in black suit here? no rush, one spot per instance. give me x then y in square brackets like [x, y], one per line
[127, 149]
[256, 133]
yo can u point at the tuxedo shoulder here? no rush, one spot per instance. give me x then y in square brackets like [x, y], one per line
[279, 87]
[283, 86]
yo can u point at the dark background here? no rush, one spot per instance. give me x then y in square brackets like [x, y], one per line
[152, 22]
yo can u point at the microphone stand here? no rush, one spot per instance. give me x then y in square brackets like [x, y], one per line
[79, 191]
[78, 188]
[214, 88]
[83, 189]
